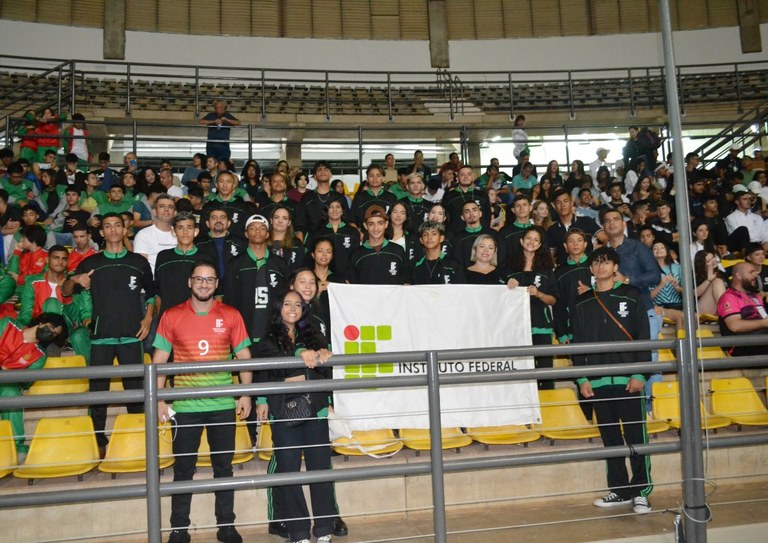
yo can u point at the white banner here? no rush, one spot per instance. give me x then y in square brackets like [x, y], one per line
[377, 319]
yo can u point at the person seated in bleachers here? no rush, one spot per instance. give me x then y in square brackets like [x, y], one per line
[710, 282]
[218, 245]
[465, 191]
[82, 246]
[25, 348]
[755, 254]
[742, 311]
[227, 198]
[342, 236]
[30, 215]
[474, 226]
[283, 240]
[667, 293]
[418, 206]
[374, 194]
[29, 256]
[434, 268]
[377, 261]
[191, 172]
[41, 293]
[159, 235]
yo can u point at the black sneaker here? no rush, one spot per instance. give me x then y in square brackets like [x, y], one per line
[228, 534]
[179, 536]
[340, 527]
[612, 500]
[278, 528]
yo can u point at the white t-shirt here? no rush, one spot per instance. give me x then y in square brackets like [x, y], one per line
[151, 240]
[79, 146]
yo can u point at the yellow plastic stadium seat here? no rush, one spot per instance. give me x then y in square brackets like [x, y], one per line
[264, 445]
[116, 384]
[61, 386]
[736, 399]
[666, 406]
[707, 318]
[705, 352]
[374, 441]
[418, 438]
[561, 416]
[8, 458]
[61, 447]
[654, 426]
[126, 452]
[243, 447]
[503, 435]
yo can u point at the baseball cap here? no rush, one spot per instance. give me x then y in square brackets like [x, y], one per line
[755, 187]
[375, 211]
[257, 218]
[600, 149]
[739, 189]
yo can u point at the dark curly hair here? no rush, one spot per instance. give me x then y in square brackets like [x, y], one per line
[542, 259]
[305, 334]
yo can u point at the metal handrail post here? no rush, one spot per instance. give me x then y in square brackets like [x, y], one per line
[250, 141]
[692, 459]
[128, 92]
[511, 97]
[8, 136]
[360, 151]
[72, 86]
[389, 96]
[570, 95]
[58, 92]
[450, 98]
[327, 98]
[738, 88]
[263, 96]
[567, 153]
[632, 111]
[197, 91]
[154, 523]
[436, 449]
[135, 138]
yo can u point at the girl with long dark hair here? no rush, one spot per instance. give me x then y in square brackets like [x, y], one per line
[530, 266]
[291, 331]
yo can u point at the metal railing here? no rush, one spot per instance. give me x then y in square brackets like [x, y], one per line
[435, 468]
[392, 93]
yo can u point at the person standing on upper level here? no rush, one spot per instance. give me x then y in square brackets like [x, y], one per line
[219, 122]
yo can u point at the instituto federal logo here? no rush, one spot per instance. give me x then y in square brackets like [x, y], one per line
[364, 340]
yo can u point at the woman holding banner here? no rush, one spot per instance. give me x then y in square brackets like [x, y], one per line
[298, 421]
[530, 266]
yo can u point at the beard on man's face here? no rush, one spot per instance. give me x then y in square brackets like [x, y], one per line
[748, 286]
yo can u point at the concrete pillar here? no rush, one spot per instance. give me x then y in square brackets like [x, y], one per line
[114, 29]
[438, 34]
[474, 157]
[293, 154]
[749, 26]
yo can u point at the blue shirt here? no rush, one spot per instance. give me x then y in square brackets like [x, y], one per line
[638, 264]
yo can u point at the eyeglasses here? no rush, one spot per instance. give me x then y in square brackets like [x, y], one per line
[199, 280]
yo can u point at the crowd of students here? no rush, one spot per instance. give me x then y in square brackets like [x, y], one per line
[85, 243]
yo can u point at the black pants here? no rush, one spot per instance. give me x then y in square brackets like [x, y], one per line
[104, 355]
[220, 426]
[544, 361]
[310, 438]
[612, 404]
[738, 240]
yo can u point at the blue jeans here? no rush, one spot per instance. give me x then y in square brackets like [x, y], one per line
[655, 322]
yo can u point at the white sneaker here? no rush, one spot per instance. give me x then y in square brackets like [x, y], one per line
[302, 541]
[611, 500]
[325, 539]
[641, 505]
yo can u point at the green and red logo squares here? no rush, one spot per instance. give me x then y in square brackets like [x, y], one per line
[363, 340]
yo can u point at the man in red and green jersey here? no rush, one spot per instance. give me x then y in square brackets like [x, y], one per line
[202, 329]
